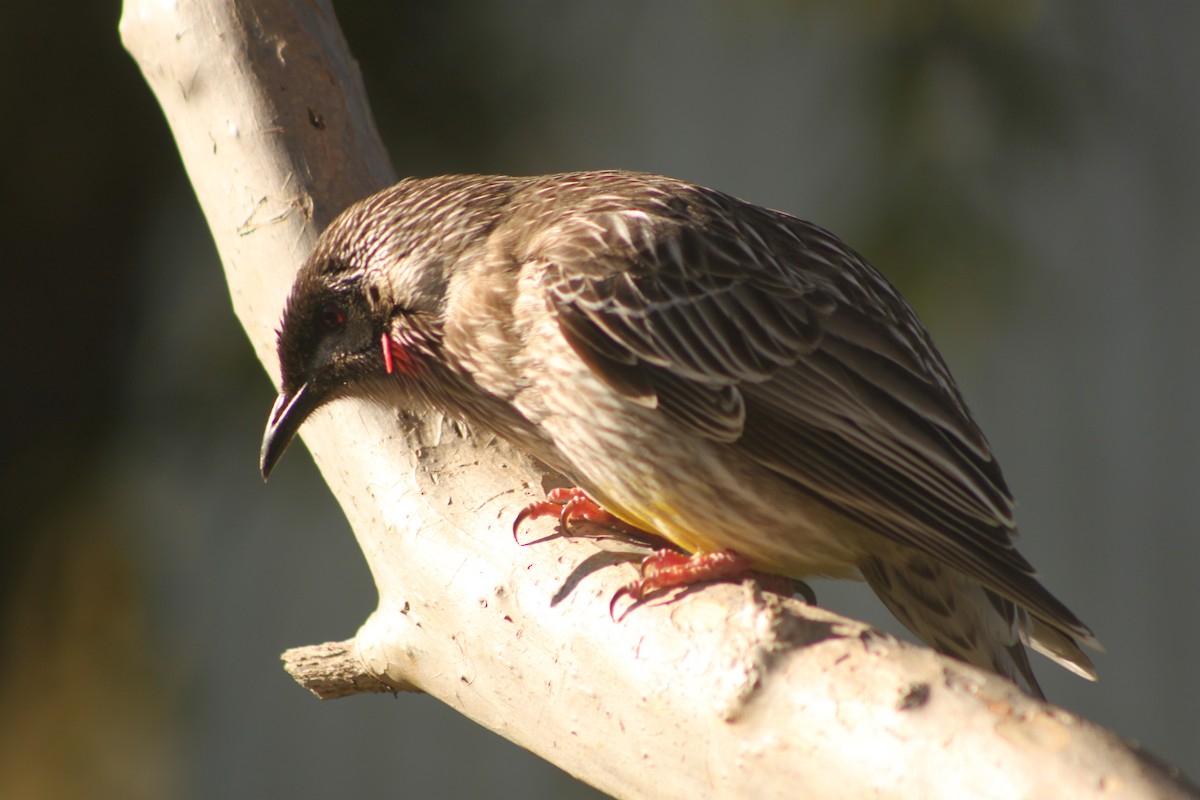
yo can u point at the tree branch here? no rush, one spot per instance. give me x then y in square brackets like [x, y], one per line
[727, 692]
[334, 670]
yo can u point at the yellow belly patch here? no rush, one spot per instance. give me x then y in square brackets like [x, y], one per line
[768, 551]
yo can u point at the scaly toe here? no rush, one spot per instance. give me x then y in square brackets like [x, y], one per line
[668, 569]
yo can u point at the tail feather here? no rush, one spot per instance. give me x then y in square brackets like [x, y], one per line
[1061, 648]
[959, 617]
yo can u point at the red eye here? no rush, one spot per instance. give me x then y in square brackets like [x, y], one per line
[332, 316]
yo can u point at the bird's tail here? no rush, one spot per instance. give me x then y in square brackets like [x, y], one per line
[957, 616]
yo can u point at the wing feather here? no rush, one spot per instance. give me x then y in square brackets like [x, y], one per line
[764, 332]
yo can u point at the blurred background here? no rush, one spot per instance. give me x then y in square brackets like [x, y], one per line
[1026, 172]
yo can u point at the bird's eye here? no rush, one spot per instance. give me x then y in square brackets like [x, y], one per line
[332, 316]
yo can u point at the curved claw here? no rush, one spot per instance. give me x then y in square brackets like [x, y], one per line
[652, 580]
[632, 589]
[558, 501]
[542, 508]
[804, 590]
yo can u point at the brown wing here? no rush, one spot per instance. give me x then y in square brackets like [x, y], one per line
[767, 333]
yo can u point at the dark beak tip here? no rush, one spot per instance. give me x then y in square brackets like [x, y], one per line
[275, 442]
[288, 413]
[264, 468]
[266, 459]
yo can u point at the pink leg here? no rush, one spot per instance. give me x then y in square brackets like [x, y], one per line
[662, 569]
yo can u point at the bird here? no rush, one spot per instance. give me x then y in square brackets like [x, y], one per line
[728, 378]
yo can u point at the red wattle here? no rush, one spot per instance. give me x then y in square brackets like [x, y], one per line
[396, 357]
[387, 353]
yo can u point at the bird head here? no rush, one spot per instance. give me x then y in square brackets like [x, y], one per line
[363, 315]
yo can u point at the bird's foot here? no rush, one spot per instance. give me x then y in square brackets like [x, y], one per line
[669, 569]
[666, 568]
[572, 506]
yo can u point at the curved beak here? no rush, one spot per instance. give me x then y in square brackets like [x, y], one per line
[288, 413]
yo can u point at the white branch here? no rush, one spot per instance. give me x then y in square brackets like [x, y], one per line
[725, 693]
